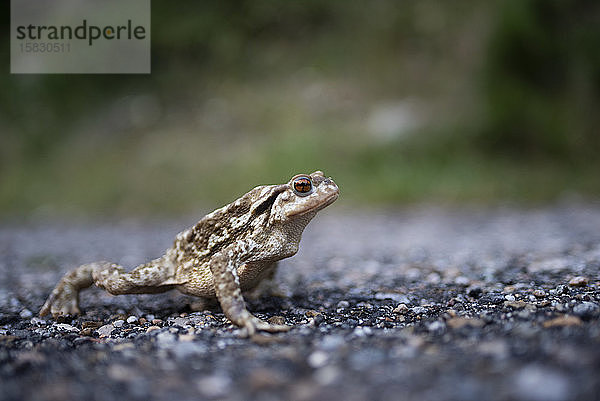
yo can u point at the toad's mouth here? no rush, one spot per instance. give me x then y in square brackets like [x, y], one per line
[316, 206]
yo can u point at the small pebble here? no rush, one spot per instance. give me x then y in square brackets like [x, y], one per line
[156, 322]
[91, 324]
[401, 309]
[578, 281]
[492, 298]
[88, 331]
[132, 319]
[311, 313]
[539, 293]
[276, 320]
[66, 327]
[343, 304]
[181, 321]
[118, 323]
[365, 305]
[38, 321]
[419, 310]
[26, 314]
[152, 328]
[105, 330]
[520, 305]
[317, 320]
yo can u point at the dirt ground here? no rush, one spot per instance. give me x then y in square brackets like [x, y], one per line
[416, 304]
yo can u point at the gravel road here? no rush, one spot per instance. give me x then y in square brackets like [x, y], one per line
[414, 304]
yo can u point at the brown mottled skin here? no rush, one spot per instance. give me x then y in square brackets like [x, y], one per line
[229, 251]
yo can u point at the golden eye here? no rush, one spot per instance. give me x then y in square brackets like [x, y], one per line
[302, 186]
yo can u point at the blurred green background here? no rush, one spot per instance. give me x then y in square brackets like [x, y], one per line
[400, 102]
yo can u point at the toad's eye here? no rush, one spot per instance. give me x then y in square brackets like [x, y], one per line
[302, 186]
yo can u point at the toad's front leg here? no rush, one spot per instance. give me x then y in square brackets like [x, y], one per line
[223, 267]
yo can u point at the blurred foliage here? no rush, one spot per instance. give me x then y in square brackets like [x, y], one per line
[399, 102]
[541, 80]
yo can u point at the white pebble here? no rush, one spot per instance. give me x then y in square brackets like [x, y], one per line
[66, 327]
[105, 330]
[26, 314]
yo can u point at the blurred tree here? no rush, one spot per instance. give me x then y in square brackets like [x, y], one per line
[541, 80]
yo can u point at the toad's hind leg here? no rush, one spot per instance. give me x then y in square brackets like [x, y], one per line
[152, 277]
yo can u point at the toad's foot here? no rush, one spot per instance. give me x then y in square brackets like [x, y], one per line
[252, 324]
[64, 300]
